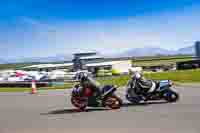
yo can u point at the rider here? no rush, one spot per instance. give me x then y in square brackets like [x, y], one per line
[141, 84]
[88, 82]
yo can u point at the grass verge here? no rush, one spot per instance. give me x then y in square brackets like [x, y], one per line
[179, 77]
[16, 89]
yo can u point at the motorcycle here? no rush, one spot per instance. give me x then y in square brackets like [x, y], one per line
[82, 98]
[162, 91]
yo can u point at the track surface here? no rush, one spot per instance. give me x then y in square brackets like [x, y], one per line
[52, 112]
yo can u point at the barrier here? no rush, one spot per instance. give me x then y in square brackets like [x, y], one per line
[23, 84]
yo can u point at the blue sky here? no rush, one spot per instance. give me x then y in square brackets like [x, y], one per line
[38, 28]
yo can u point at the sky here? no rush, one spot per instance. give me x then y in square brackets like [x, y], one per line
[40, 28]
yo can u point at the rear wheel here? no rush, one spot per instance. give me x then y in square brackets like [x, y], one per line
[113, 102]
[171, 96]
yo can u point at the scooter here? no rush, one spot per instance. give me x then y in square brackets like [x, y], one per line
[162, 90]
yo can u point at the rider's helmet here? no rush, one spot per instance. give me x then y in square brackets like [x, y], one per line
[138, 75]
[82, 76]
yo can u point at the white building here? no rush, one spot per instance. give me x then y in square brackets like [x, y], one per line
[49, 67]
[116, 67]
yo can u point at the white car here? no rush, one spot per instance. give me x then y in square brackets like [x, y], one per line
[2, 79]
[14, 79]
[37, 75]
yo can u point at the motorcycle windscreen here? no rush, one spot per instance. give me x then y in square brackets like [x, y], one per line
[164, 83]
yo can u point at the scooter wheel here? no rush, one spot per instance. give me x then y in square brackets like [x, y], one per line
[171, 96]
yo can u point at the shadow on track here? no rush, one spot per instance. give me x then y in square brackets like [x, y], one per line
[144, 104]
[71, 111]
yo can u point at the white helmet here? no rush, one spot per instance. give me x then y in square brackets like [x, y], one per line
[138, 75]
[132, 70]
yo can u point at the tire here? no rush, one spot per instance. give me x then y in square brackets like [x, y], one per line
[112, 102]
[133, 100]
[79, 102]
[171, 96]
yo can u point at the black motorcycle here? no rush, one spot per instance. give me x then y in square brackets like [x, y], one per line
[82, 98]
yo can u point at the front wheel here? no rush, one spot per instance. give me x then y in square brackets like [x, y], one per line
[113, 102]
[79, 102]
[171, 96]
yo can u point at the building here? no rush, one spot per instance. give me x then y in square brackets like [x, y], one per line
[49, 67]
[193, 64]
[81, 59]
[115, 67]
[197, 49]
[94, 63]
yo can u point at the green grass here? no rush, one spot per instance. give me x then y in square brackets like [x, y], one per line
[158, 62]
[119, 81]
[17, 89]
[177, 76]
[163, 57]
[165, 60]
[14, 89]
[14, 66]
[187, 76]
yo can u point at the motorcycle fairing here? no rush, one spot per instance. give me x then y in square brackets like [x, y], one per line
[163, 84]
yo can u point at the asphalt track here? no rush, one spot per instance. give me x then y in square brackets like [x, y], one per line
[52, 112]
